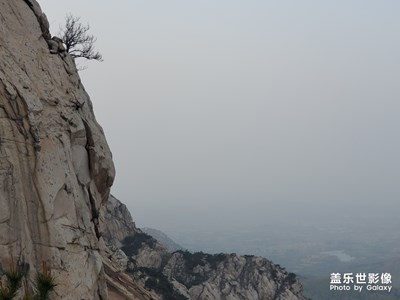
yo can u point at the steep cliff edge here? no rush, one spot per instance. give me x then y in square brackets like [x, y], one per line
[55, 166]
[55, 177]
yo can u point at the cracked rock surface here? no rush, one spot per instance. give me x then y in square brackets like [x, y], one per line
[55, 165]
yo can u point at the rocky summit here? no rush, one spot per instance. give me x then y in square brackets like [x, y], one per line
[56, 172]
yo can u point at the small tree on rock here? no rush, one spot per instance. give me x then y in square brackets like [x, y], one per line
[77, 40]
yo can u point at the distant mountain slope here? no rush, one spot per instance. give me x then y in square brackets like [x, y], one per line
[164, 239]
[183, 275]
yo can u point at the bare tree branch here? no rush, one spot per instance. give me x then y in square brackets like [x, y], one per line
[78, 42]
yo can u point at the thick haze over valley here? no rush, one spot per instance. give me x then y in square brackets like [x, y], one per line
[224, 115]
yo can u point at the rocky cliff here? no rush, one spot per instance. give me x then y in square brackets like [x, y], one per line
[55, 177]
[182, 275]
[55, 166]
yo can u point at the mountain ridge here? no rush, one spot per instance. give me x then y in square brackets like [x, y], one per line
[184, 275]
[163, 238]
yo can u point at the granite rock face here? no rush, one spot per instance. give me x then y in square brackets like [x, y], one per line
[55, 166]
[116, 222]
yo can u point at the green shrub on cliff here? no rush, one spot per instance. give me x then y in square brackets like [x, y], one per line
[43, 284]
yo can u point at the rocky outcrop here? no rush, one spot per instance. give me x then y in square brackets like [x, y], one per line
[55, 166]
[230, 276]
[55, 44]
[116, 222]
[182, 275]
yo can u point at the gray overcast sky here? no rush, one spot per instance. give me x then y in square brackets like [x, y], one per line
[226, 112]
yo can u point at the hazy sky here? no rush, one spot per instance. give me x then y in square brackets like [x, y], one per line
[228, 112]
